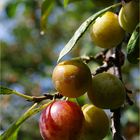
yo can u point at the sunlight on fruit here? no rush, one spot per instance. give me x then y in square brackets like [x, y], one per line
[61, 120]
[106, 31]
[129, 16]
[96, 123]
[71, 78]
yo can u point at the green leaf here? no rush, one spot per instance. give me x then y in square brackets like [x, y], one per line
[133, 46]
[81, 30]
[46, 8]
[14, 135]
[5, 91]
[29, 113]
[66, 3]
[11, 9]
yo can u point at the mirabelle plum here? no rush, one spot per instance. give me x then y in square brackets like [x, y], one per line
[71, 78]
[107, 91]
[129, 15]
[106, 31]
[96, 123]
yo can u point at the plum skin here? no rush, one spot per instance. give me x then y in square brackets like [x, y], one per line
[71, 78]
[96, 123]
[107, 91]
[106, 32]
[61, 120]
[129, 15]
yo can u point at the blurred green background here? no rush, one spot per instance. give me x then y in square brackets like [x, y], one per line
[28, 58]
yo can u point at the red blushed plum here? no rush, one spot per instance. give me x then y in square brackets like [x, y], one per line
[61, 120]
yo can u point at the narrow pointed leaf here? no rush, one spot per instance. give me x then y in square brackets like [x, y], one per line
[66, 3]
[11, 9]
[5, 91]
[14, 136]
[133, 46]
[81, 30]
[46, 8]
[29, 113]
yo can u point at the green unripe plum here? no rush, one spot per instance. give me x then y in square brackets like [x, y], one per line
[107, 91]
[129, 15]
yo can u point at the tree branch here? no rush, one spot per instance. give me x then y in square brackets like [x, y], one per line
[116, 125]
[7, 91]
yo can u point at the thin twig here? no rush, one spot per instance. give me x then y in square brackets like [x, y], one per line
[36, 99]
[108, 63]
[46, 96]
[99, 56]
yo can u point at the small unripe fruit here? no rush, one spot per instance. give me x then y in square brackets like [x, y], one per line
[106, 31]
[61, 120]
[96, 123]
[71, 78]
[129, 15]
[107, 91]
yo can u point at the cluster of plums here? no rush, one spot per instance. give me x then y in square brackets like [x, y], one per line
[108, 31]
[66, 120]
